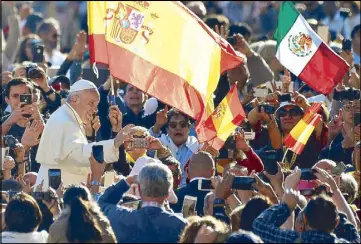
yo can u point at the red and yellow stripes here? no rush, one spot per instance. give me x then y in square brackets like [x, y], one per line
[223, 121]
[161, 48]
[299, 135]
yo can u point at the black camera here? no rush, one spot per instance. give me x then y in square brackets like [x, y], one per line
[9, 141]
[232, 40]
[32, 71]
[268, 109]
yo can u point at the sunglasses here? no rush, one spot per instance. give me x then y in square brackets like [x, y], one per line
[55, 35]
[183, 124]
[292, 112]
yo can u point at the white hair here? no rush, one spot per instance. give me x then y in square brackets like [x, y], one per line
[155, 180]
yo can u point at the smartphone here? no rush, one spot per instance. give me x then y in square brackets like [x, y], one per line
[47, 196]
[38, 53]
[268, 109]
[26, 98]
[54, 178]
[189, 206]
[139, 143]
[232, 40]
[347, 45]
[308, 174]
[323, 31]
[259, 92]
[356, 119]
[249, 135]
[269, 159]
[284, 98]
[132, 205]
[339, 169]
[205, 185]
[243, 183]
[98, 153]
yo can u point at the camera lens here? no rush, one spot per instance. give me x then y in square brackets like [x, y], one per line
[34, 73]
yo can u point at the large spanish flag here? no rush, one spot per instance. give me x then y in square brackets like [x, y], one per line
[223, 121]
[304, 53]
[299, 135]
[163, 49]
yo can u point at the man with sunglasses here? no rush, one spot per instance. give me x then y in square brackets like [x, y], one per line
[178, 140]
[48, 31]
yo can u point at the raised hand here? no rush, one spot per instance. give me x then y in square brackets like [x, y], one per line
[224, 188]
[124, 135]
[242, 45]
[221, 31]
[115, 118]
[154, 143]
[291, 198]
[300, 100]
[97, 168]
[6, 77]
[286, 81]
[162, 117]
[32, 132]
[291, 181]
[241, 143]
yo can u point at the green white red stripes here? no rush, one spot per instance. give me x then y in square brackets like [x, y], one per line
[303, 52]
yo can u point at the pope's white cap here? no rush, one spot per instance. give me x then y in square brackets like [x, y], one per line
[82, 85]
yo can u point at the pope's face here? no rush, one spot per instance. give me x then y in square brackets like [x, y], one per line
[88, 103]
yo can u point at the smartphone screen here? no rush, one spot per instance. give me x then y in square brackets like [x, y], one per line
[322, 31]
[189, 206]
[98, 153]
[26, 98]
[243, 183]
[139, 143]
[284, 98]
[308, 174]
[205, 185]
[269, 159]
[54, 178]
[38, 53]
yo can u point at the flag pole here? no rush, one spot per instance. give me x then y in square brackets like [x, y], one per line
[112, 101]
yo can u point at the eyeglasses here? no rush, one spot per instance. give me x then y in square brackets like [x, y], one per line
[183, 124]
[292, 112]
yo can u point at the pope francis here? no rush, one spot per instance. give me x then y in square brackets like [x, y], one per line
[64, 145]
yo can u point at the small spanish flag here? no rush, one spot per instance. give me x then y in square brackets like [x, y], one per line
[163, 49]
[299, 135]
[223, 121]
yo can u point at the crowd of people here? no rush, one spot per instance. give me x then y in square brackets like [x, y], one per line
[152, 180]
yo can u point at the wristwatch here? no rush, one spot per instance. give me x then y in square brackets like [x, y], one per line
[94, 183]
[51, 91]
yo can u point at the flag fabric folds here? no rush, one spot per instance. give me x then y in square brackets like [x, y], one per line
[303, 52]
[223, 121]
[299, 135]
[161, 48]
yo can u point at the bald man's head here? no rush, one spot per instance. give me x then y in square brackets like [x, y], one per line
[201, 165]
[31, 177]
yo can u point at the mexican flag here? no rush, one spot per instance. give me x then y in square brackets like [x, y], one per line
[303, 52]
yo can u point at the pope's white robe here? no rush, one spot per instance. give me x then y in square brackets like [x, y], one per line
[64, 146]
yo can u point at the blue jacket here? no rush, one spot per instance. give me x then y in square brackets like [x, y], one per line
[191, 189]
[146, 225]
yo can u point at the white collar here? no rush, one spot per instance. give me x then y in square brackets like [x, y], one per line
[76, 117]
[197, 178]
[192, 143]
[152, 204]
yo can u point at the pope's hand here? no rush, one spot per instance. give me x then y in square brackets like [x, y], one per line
[124, 135]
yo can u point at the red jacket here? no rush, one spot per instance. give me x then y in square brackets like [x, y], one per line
[252, 162]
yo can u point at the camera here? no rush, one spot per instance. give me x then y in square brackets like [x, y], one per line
[268, 109]
[32, 71]
[9, 141]
[232, 40]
